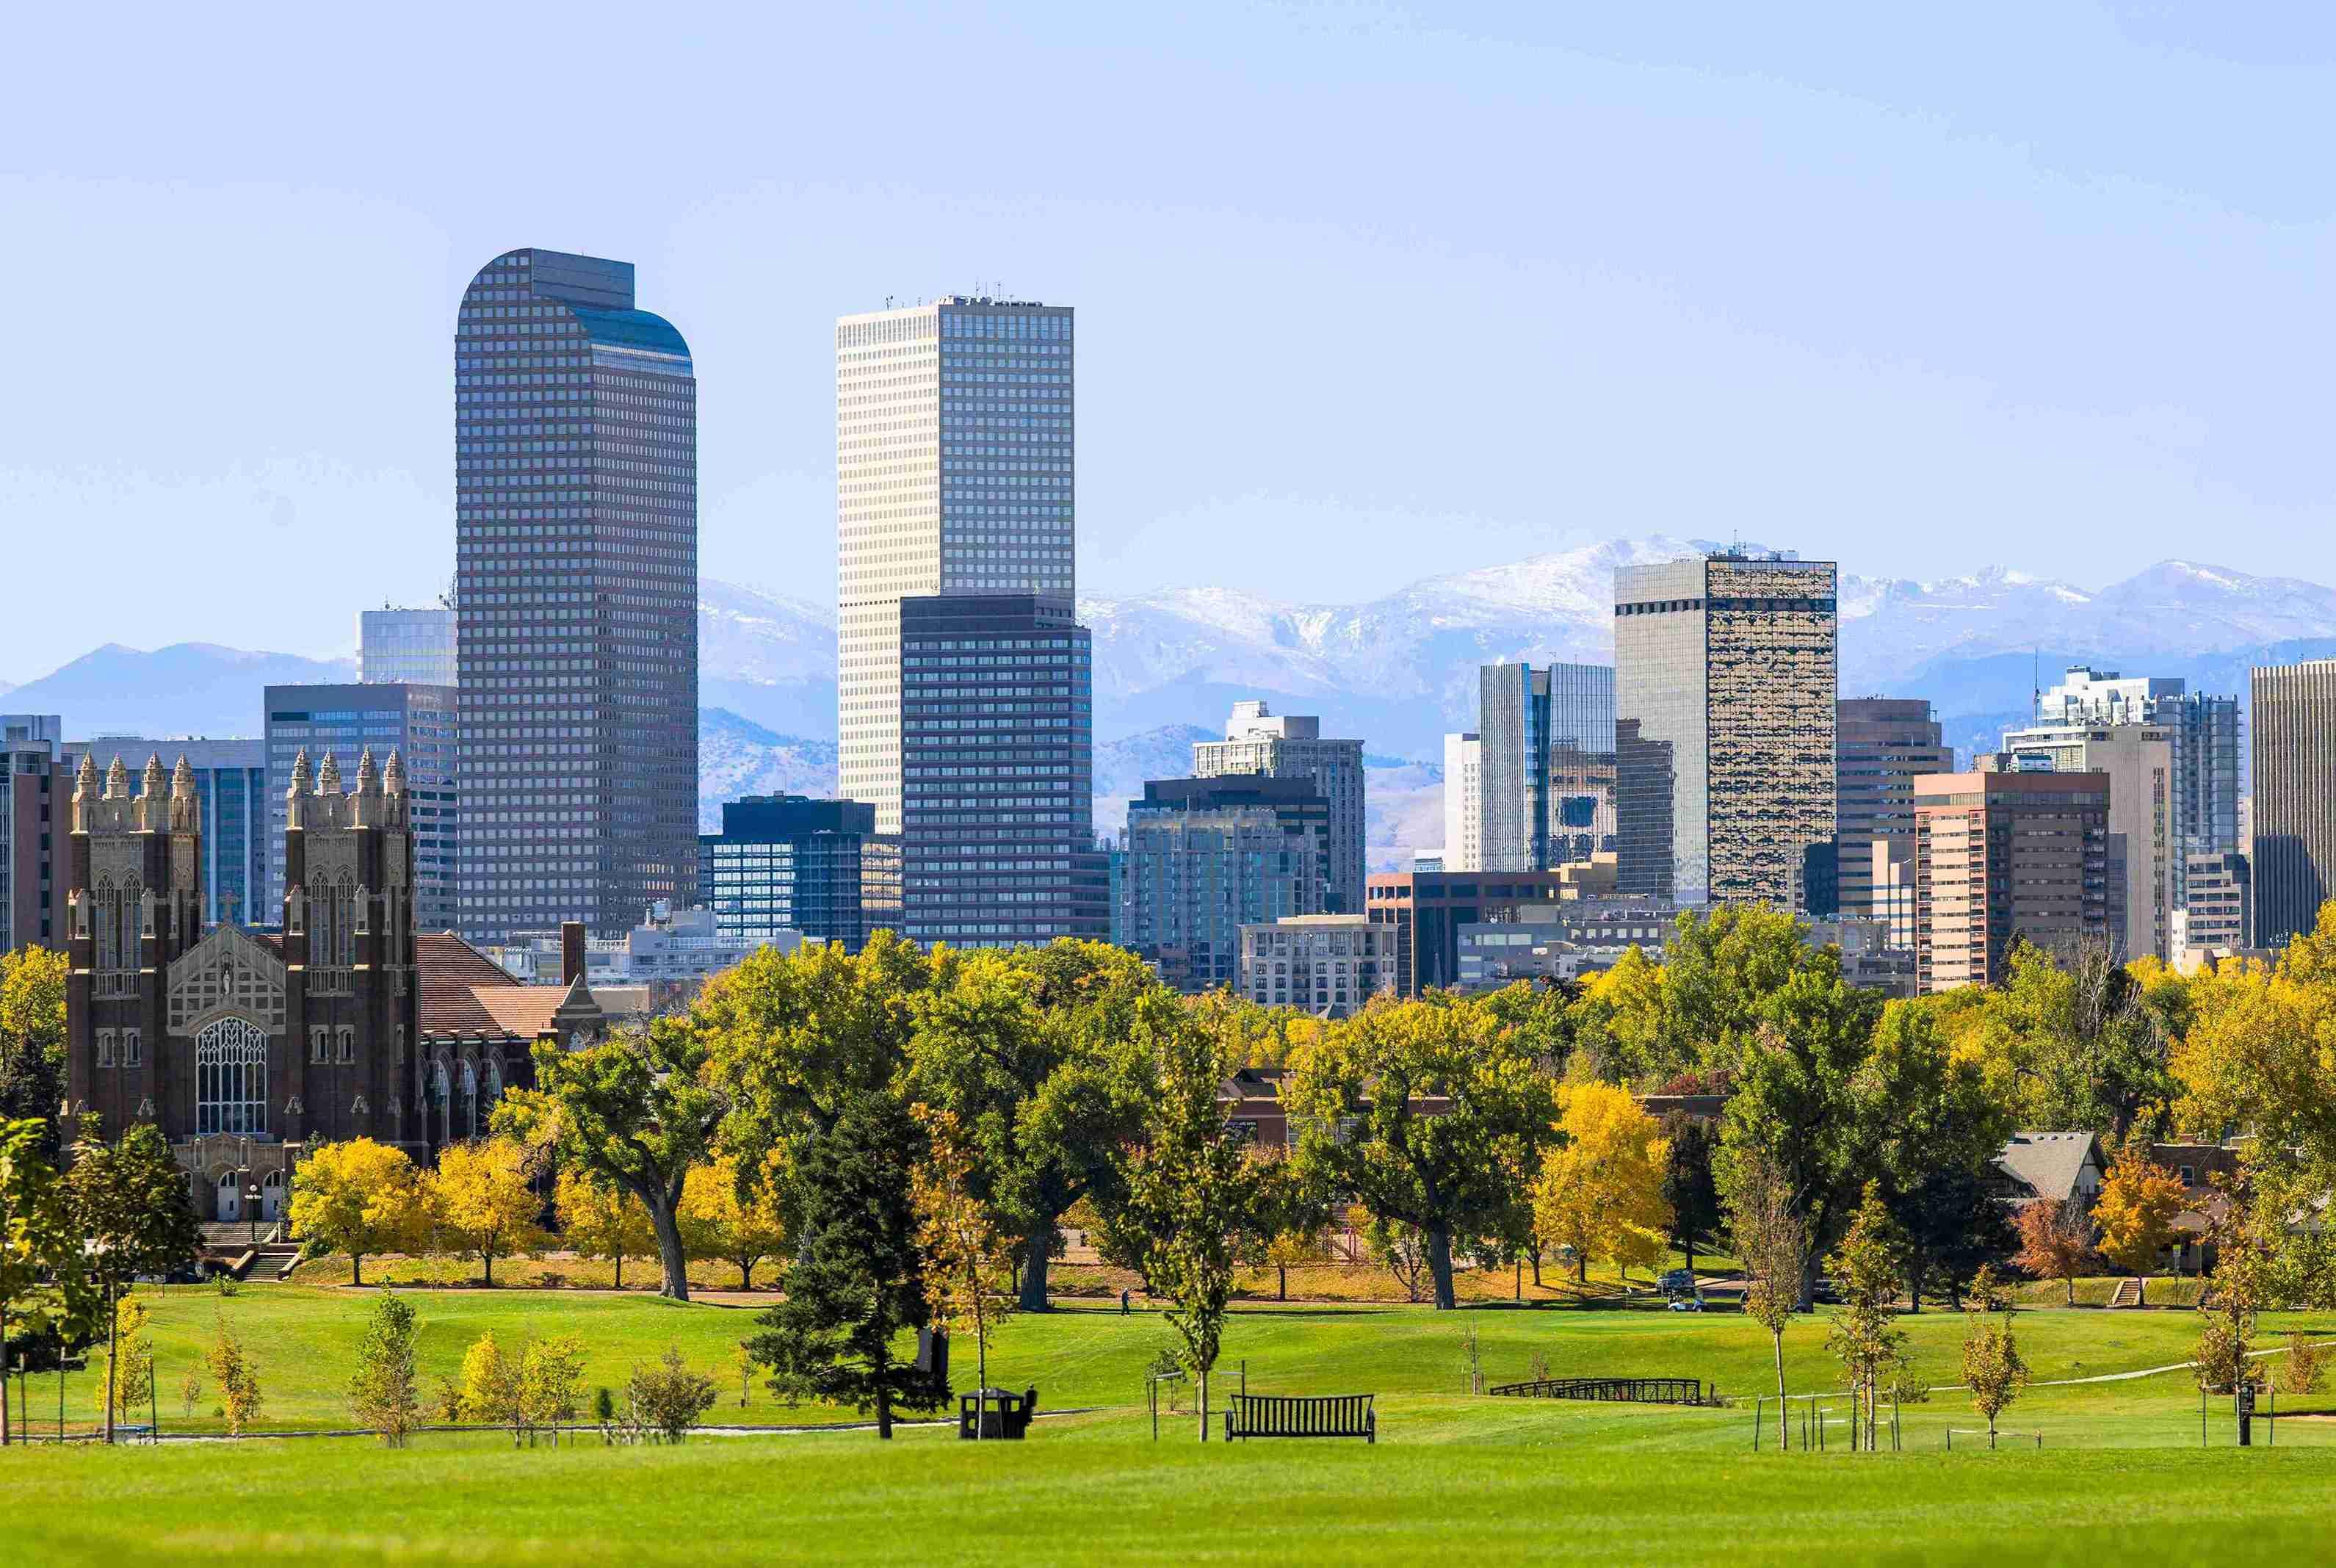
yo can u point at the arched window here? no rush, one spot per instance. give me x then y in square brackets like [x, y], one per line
[231, 1078]
[470, 1101]
[494, 1080]
[445, 1107]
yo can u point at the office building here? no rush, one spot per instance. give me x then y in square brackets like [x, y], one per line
[1726, 666]
[2203, 730]
[997, 774]
[2221, 914]
[1560, 941]
[671, 951]
[1545, 771]
[1204, 857]
[33, 791]
[1426, 910]
[954, 475]
[1881, 746]
[342, 723]
[2293, 821]
[1328, 965]
[2138, 761]
[1464, 807]
[2006, 855]
[789, 864]
[405, 647]
[1257, 741]
[241, 819]
[575, 597]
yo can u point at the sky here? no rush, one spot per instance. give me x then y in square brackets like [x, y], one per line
[1365, 293]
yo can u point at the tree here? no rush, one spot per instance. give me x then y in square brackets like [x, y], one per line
[1935, 1130]
[599, 1219]
[238, 1379]
[1701, 1008]
[33, 1037]
[1031, 1050]
[385, 1390]
[42, 1287]
[492, 1390]
[1402, 1250]
[2243, 1229]
[129, 1364]
[855, 1283]
[1360, 1100]
[740, 1222]
[129, 1201]
[2056, 1242]
[551, 1383]
[1862, 1335]
[1992, 1368]
[968, 1271]
[1600, 1192]
[357, 1197]
[1771, 1243]
[1689, 1186]
[2306, 1366]
[480, 1196]
[1207, 1203]
[637, 1111]
[2135, 1212]
[1300, 1231]
[2077, 1044]
[669, 1397]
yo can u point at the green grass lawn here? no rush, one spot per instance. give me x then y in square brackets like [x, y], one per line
[2121, 1470]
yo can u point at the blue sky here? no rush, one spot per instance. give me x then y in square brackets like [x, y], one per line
[1365, 293]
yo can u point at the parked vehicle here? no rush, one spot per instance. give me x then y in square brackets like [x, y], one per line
[1693, 1304]
[1671, 1281]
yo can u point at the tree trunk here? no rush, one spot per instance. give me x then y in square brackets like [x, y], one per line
[1582, 1268]
[1033, 1271]
[1686, 1248]
[1439, 1264]
[490, 1258]
[669, 1251]
[883, 1407]
[1535, 1257]
[746, 1275]
[1784, 1415]
[1281, 1288]
[1808, 1301]
[620, 1268]
[2070, 1280]
[1205, 1403]
[3, 1378]
[1914, 1283]
[113, 1356]
[1521, 1280]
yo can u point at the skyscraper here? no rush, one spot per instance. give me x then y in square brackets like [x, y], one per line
[2005, 855]
[415, 646]
[576, 599]
[344, 722]
[1206, 856]
[1292, 745]
[1881, 746]
[2294, 821]
[1546, 765]
[32, 792]
[2138, 759]
[997, 773]
[2203, 732]
[1729, 661]
[954, 475]
[790, 863]
[1464, 805]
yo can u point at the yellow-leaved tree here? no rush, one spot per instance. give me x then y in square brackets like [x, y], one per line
[719, 1221]
[598, 1219]
[2138, 1202]
[480, 1201]
[357, 1197]
[1601, 1192]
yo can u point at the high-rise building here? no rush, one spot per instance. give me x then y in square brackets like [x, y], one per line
[1205, 856]
[576, 599]
[405, 647]
[2221, 914]
[790, 863]
[2138, 759]
[1426, 910]
[2203, 731]
[1290, 746]
[2005, 855]
[342, 722]
[1728, 665]
[996, 773]
[33, 789]
[2293, 822]
[1881, 746]
[954, 475]
[241, 819]
[1327, 965]
[1546, 772]
[1464, 805]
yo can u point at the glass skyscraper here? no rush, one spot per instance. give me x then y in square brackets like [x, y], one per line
[576, 599]
[954, 475]
[412, 646]
[1544, 766]
[790, 863]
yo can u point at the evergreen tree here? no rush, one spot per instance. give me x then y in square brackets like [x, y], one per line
[855, 1284]
[1689, 1187]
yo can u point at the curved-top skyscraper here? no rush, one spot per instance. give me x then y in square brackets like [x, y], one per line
[576, 596]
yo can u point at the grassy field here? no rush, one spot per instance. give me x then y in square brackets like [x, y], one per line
[2121, 1469]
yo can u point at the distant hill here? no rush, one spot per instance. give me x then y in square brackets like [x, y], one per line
[189, 688]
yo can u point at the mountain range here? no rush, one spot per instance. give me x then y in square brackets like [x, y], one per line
[1398, 670]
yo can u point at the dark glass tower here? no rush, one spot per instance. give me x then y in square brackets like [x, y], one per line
[576, 584]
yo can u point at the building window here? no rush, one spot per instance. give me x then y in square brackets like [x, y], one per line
[231, 1078]
[348, 1044]
[320, 1044]
[131, 1052]
[105, 1048]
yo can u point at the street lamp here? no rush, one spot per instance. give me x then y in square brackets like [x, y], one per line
[251, 1206]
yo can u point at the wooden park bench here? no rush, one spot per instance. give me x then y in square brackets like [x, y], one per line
[1283, 1416]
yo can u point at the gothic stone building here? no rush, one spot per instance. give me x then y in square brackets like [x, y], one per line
[248, 1049]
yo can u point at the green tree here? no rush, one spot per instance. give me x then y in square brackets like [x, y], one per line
[669, 1397]
[1770, 1239]
[129, 1203]
[385, 1390]
[1423, 1110]
[1935, 1128]
[42, 1287]
[1699, 1009]
[551, 1384]
[357, 1197]
[855, 1283]
[1863, 1335]
[1691, 1186]
[2078, 1044]
[1030, 1049]
[1994, 1369]
[638, 1112]
[238, 1379]
[33, 1037]
[968, 1271]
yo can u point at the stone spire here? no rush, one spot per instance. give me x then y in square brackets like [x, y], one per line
[300, 773]
[151, 785]
[368, 777]
[329, 776]
[117, 781]
[392, 777]
[85, 780]
[182, 780]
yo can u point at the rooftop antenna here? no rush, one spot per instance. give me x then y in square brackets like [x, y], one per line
[2036, 685]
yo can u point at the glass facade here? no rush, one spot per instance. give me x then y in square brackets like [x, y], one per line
[576, 599]
[1292, 746]
[1881, 746]
[406, 646]
[418, 722]
[997, 754]
[2294, 821]
[955, 474]
[232, 810]
[1204, 856]
[2203, 731]
[1544, 766]
[790, 863]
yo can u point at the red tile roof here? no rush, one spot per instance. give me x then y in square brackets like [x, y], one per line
[453, 974]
